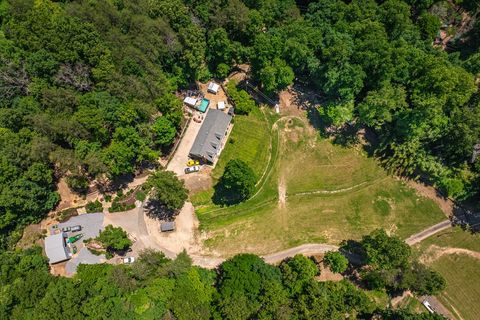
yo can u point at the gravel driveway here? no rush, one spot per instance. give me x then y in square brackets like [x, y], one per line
[179, 160]
[84, 256]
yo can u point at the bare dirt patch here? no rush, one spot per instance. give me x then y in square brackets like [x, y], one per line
[282, 192]
[435, 252]
[67, 197]
[58, 269]
[288, 101]
[325, 273]
[198, 181]
[185, 236]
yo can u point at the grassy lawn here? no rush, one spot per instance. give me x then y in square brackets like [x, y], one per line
[249, 141]
[412, 305]
[463, 284]
[461, 271]
[332, 193]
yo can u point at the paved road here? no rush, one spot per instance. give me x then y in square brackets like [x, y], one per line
[428, 232]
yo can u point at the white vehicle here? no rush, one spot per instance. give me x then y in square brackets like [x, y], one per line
[128, 260]
[192, 169]
[427, 305]
[72, 229]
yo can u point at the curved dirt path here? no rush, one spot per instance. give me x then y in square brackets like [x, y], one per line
[435, 252]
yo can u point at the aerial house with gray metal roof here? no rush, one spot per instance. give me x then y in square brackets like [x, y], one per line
[210, 139]
[56, 248]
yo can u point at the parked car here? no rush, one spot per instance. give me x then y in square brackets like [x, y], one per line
[192, 169]
[428, 306]
[129, 260]
[191, 163]
[72, 228]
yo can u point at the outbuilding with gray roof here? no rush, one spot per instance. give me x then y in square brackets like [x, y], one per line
[56, 249]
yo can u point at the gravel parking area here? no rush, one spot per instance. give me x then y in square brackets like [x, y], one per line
[92, 224]
[84, 256]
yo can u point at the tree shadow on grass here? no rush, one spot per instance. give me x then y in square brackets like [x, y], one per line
[346, 136]
[155, 209]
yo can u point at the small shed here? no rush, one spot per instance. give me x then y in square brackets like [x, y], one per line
[167, 226]
[56, 248]
[213, 87]
[189, 101]
[221, 105]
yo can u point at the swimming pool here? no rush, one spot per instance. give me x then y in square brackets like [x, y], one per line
[204, 105]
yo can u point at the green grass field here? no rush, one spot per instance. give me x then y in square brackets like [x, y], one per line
[332, 193]
[461, 271]
[249, 141]
[463, 284]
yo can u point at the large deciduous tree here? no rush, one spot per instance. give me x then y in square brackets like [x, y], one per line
[167, 190]
[237, 183]
[114, 238]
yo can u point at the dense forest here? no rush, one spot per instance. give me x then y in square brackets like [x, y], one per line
[87, 88]
[243, 287]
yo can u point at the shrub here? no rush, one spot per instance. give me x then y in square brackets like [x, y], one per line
[92, 207]
[140, 195]
[66, 214]
[243, 102]
[78, 183]
[222, 70]
[336, 261]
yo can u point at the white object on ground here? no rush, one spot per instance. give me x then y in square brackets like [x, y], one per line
[189, 101]
[213, 87]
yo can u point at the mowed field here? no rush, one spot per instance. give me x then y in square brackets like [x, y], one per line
[310, 191]
[461, 270]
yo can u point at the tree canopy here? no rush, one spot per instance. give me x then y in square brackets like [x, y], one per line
[237, 183]
[336, 261]
[114, 238]
[167, 190]
[389, 264]
[154, 287]
[87, 88]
